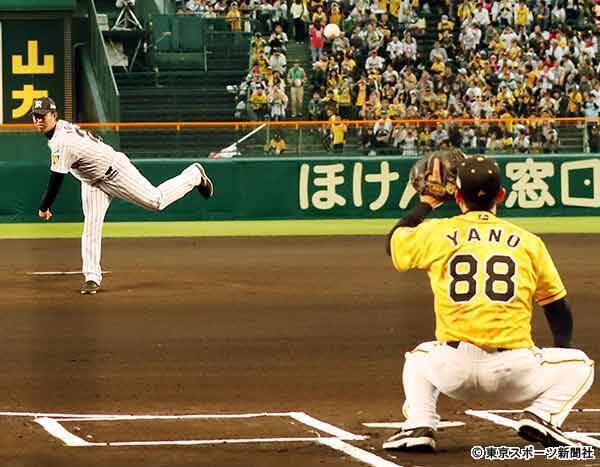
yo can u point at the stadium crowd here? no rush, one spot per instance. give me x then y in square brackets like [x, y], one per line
[486, 59]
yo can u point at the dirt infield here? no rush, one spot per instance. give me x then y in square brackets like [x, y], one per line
[237, 326]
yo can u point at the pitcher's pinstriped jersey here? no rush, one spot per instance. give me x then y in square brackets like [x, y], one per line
[484, 273]
[80, 152]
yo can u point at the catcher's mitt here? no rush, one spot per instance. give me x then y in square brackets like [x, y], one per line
[421, 172]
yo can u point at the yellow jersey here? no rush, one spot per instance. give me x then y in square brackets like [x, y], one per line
[381, 5]
[338, 133]
[522, 15]
[484, 273]
[277, 146]
[233, 16]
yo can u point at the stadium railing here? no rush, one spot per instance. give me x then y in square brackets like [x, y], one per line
[144, 140]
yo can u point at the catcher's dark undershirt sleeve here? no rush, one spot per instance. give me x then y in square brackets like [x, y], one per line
[54, 184]
[560, 319]
[411, 219]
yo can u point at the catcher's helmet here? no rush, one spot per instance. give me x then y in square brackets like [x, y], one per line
[479, 179]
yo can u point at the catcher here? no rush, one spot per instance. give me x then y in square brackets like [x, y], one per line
[484, 273]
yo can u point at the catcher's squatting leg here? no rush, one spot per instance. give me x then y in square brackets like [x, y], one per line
[553, 379]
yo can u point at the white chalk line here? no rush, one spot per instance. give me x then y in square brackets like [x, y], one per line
[205, 442]
[58, 273]
[52, 424]
[326, 427]
[113, 418]
[76, 416]
[400, 425]
[492, 416]
[521, 410]
[357, 453]
[60, 432]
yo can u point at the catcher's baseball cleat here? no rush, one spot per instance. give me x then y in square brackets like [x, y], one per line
[415, 440]
[206, 187]
[90, 287]
[535, 429]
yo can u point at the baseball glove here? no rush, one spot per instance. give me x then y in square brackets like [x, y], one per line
[420, 174]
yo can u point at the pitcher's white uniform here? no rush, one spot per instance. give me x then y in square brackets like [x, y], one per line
[105, 173]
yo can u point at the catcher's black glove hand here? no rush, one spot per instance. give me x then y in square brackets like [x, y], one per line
[421, 174]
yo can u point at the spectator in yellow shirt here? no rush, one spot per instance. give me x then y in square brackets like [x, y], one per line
[258, 103]
[397, 108]
[575, 102]
[424, 140]
[381, 6]
[336, 16]
[465, 10]
[438, 66]
[319, 16]
[509, 125]
[497, 45]
[277, 145]
[444, 25]
[522, 15]
[395, 9]
[338, 133]
[348, 65]
[234, 16]
[343, 95]
[507, 141]
[258, 45]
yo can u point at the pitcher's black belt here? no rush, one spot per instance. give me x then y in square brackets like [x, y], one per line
[455, 344]
[110, 173]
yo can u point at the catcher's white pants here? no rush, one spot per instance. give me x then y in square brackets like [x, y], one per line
[553, 379]
[125, 182]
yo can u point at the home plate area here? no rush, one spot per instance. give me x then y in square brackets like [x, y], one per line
[209, 429]
[278, 429]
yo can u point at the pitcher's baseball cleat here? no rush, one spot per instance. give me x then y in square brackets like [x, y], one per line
[415, 440]
[206, 187]
[89, 287]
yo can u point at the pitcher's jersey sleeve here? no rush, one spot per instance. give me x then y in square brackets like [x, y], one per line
[549, 284]
[410, 248]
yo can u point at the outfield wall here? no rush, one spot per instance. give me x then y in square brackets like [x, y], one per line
[311, 188]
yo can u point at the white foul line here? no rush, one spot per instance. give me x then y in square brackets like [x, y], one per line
[326, 427]
[360, 454]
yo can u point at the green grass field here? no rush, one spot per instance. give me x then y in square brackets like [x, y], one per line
[268, 228]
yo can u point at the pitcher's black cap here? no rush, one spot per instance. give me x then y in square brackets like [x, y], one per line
[42, 106]
[479, 179]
